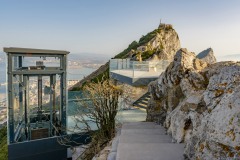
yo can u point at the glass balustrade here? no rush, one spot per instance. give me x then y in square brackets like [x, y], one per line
[137, 69]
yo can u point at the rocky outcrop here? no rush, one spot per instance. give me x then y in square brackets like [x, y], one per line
[166, 42]
[207, 56]
[199, 104]
[160, 44]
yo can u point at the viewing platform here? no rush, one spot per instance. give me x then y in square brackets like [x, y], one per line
[136, 73]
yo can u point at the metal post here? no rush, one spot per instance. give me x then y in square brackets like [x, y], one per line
[117, 64]
[40, 97]
[52, 102]
[63, 94]
[133, 68]
[20, 89]
[21, 96]
[26, 100]
[122, 64]
[10, 99]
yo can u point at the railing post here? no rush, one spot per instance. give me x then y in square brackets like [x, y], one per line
[117, 65]
[133, 68]
[122, 64]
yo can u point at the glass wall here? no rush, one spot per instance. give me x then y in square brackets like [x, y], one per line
[137, 68]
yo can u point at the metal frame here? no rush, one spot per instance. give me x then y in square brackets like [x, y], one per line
[24, 75]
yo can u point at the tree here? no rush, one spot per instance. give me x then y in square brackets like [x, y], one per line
[99, 107]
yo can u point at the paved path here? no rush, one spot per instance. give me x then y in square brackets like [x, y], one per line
[145, 141]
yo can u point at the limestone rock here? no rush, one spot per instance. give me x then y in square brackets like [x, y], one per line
[207, 56]
[198, 101]
[164, 44]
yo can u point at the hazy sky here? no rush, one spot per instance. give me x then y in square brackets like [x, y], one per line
[108, 26]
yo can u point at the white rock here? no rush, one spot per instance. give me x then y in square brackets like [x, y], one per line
[199, 104]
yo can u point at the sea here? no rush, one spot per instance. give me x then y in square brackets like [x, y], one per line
[2, 80]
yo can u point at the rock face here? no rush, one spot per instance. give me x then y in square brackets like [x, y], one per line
[162, 46]
[199, 104]
[207, 56]
[166, 42]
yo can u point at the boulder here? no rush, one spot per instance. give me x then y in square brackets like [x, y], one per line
[207, 56]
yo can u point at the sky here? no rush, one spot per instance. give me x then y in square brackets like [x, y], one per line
[108, 26]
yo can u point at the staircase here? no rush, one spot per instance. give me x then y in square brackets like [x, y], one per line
[142, 102]
[145, 141]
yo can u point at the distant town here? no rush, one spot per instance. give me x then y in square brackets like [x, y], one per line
[34, 98]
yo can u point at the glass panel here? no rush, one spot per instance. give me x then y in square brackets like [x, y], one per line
[35, 62]
[136, 69]
[47, 61]
[16, 108]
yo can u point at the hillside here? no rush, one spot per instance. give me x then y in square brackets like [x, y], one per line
[101, 73]
[161, 43]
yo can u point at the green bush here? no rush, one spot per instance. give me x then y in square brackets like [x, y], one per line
[148, 54]
[3, 144]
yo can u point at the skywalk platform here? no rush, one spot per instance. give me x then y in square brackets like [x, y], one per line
[136, 73]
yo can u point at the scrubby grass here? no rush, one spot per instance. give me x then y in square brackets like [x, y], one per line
[144, 39]
[147, 54]
[134, 45]
[3, 144]
[101, 77]
[124, 53]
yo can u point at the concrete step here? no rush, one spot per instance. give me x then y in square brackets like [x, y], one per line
[150, 151]
[144, 97]
[139, 123]
[141, 105]
[145, 100]
[144, 131]
[143, 126]
[142, 102]
[141, 138]
[140, 108]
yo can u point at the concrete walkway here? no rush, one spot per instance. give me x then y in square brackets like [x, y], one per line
[145, 141]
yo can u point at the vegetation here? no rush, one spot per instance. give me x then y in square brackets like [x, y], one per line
[147, 54]
[103, 76]
[144, 39]
[3, 144]
[101, 110]
[124, 53]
